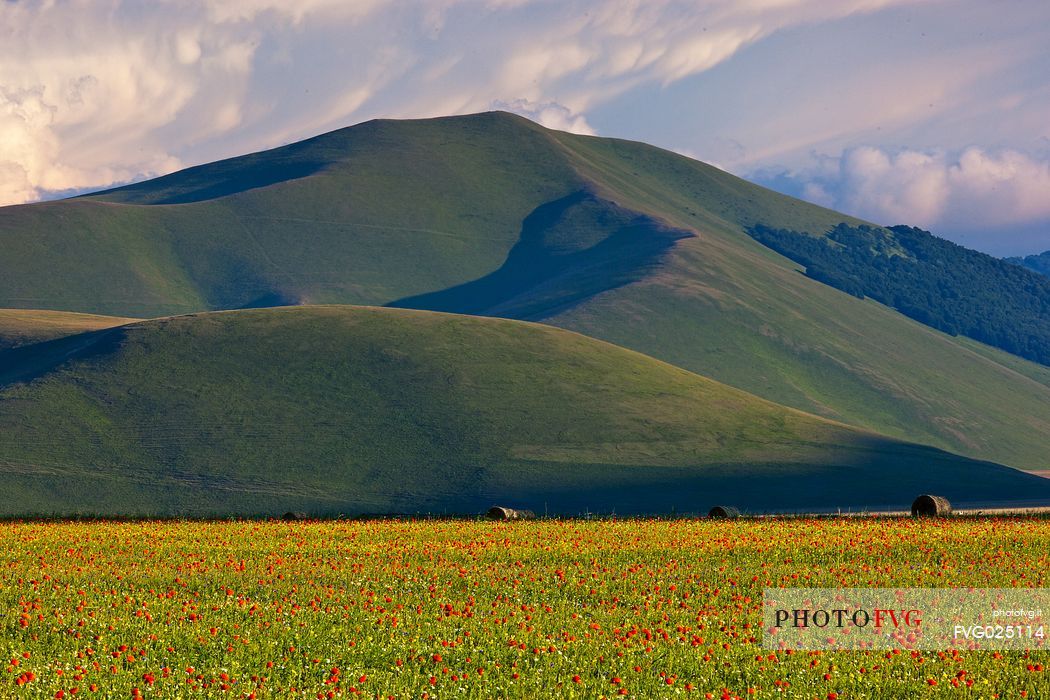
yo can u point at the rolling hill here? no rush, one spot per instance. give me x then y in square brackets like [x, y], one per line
[491, 214]
[25, 327]
[335, 409]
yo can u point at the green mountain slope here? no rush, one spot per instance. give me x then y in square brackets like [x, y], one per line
[940, 283]
[491, 214]
[396, 209]
[338, 409]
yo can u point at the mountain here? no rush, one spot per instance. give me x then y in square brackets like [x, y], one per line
[1038, 263]
[336, 409]
[492, 214]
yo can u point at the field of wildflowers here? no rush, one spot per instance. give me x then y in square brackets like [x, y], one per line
[473, 609]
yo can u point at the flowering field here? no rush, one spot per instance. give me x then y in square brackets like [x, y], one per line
[638, 608]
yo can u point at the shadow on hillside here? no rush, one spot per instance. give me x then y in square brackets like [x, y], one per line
[569, 250]
[28, 362]
[271, 300]
[870, 473]
[873, 474]
[213, 181]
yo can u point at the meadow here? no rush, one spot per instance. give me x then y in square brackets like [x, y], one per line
[478, 609]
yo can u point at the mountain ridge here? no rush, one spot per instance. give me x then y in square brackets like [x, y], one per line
[408, 210]
[1040, 262]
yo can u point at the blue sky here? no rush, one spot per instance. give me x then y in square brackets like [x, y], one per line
[926, 112]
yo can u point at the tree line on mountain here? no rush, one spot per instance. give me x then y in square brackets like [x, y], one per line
[934, 281]
[1040, 263]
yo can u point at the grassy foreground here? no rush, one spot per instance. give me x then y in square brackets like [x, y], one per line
[585, 609]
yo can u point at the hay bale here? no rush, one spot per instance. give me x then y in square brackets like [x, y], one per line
[929, 506]
[294, 515]
[504, 513]
[727, 512]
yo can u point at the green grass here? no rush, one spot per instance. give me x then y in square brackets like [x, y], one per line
[25, 327]
[336, 409]
[449, 214]
[480, 610]
[723, 306]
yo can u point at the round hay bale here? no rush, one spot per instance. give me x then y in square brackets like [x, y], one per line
[930, 506]
[294, 515]
[727, 512]
[504, 513]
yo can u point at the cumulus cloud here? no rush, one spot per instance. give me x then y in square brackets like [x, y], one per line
[969, 191]
[907, 186]
[93, 93]
[550, 114]
[1008, 187]
[82, 96]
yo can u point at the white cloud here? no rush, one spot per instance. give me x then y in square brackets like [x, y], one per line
[966, 192]
[82, 94]
[550, 114]
[1008, 187]
[909, 186]
[231, 11]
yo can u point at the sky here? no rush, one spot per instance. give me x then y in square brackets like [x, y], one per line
[934, 113]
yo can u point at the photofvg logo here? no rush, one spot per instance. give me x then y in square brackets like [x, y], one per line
[841, 617]
[911, 618]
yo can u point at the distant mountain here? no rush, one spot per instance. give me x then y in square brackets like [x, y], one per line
[1039, 263]
[338, 409]
[492, 214]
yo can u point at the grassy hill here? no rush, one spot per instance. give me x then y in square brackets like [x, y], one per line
[25, 327]
[492, 214]
[336, 409]
[939, 283]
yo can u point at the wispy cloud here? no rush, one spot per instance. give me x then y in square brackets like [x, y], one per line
[94, 93]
